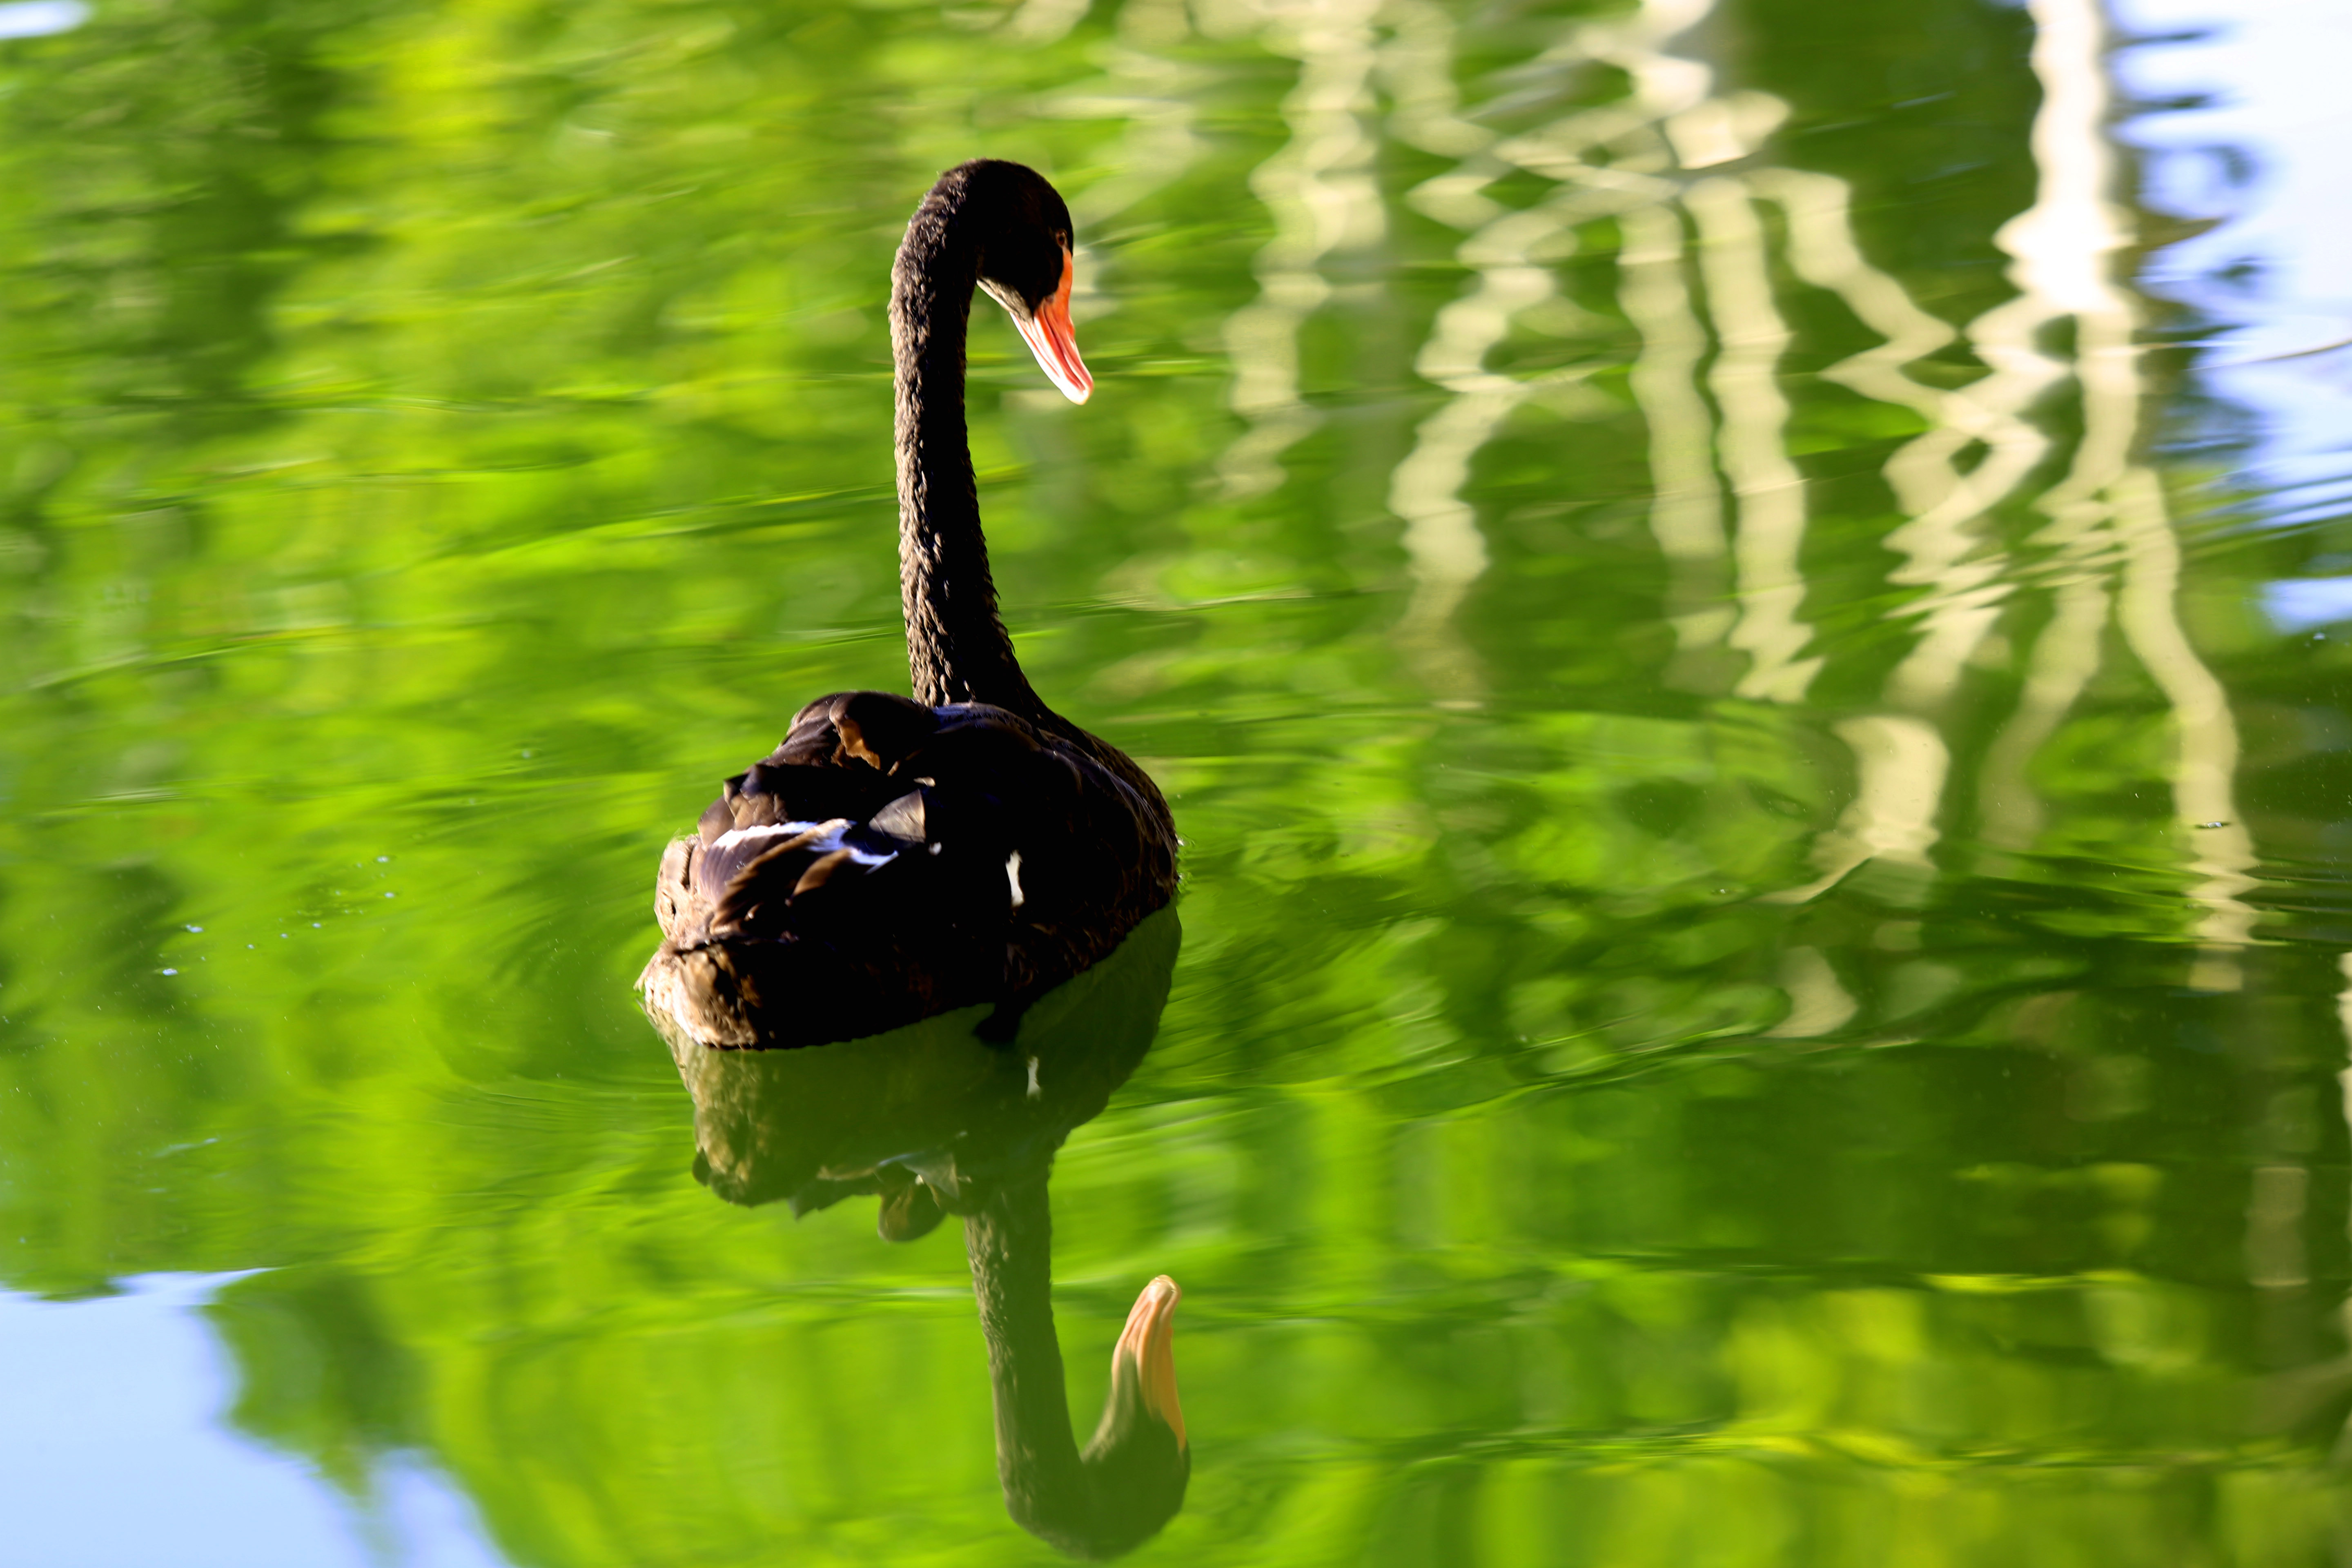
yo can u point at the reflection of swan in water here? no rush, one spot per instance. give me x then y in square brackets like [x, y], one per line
[936, 1121]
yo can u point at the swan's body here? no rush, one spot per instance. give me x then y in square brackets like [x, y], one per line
[892, 860]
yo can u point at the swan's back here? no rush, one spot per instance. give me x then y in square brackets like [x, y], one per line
[890, 861]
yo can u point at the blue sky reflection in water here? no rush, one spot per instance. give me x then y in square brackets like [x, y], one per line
[1696, 575]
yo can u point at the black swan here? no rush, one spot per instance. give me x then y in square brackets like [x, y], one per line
[935, 1121]
[893, 859]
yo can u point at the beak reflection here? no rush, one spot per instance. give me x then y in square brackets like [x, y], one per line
[1147, 1353]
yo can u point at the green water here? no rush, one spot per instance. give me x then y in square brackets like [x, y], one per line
[1763, 905]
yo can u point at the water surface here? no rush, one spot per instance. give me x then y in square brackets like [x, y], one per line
[1742, 608]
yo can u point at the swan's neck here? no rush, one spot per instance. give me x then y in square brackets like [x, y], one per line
[957, 647]
[1010, 1243]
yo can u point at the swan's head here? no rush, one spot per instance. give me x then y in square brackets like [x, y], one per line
[1138, 1462]
[1027, 263]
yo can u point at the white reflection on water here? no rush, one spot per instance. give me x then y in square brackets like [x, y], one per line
[2263, 155]
[2112, 555]
[1325, 203]
[39, 18]
[135, 1385]
[2299, 604]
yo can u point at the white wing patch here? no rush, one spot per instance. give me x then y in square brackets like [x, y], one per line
[834, 831]
[732, 837]
[1013, 875]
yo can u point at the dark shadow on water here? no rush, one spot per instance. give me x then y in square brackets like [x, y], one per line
[934, 1121]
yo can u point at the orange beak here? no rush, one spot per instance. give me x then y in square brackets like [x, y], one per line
[1049, 337]
[1147, 1344]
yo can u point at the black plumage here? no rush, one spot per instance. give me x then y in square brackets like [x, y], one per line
[895, 858]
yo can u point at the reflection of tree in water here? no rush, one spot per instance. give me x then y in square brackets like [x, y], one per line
[1816, 355]
[157, 199]
[179, 172]
[935, 1121]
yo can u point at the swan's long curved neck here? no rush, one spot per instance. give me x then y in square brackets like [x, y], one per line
[957, 647]
[1009, 1240]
